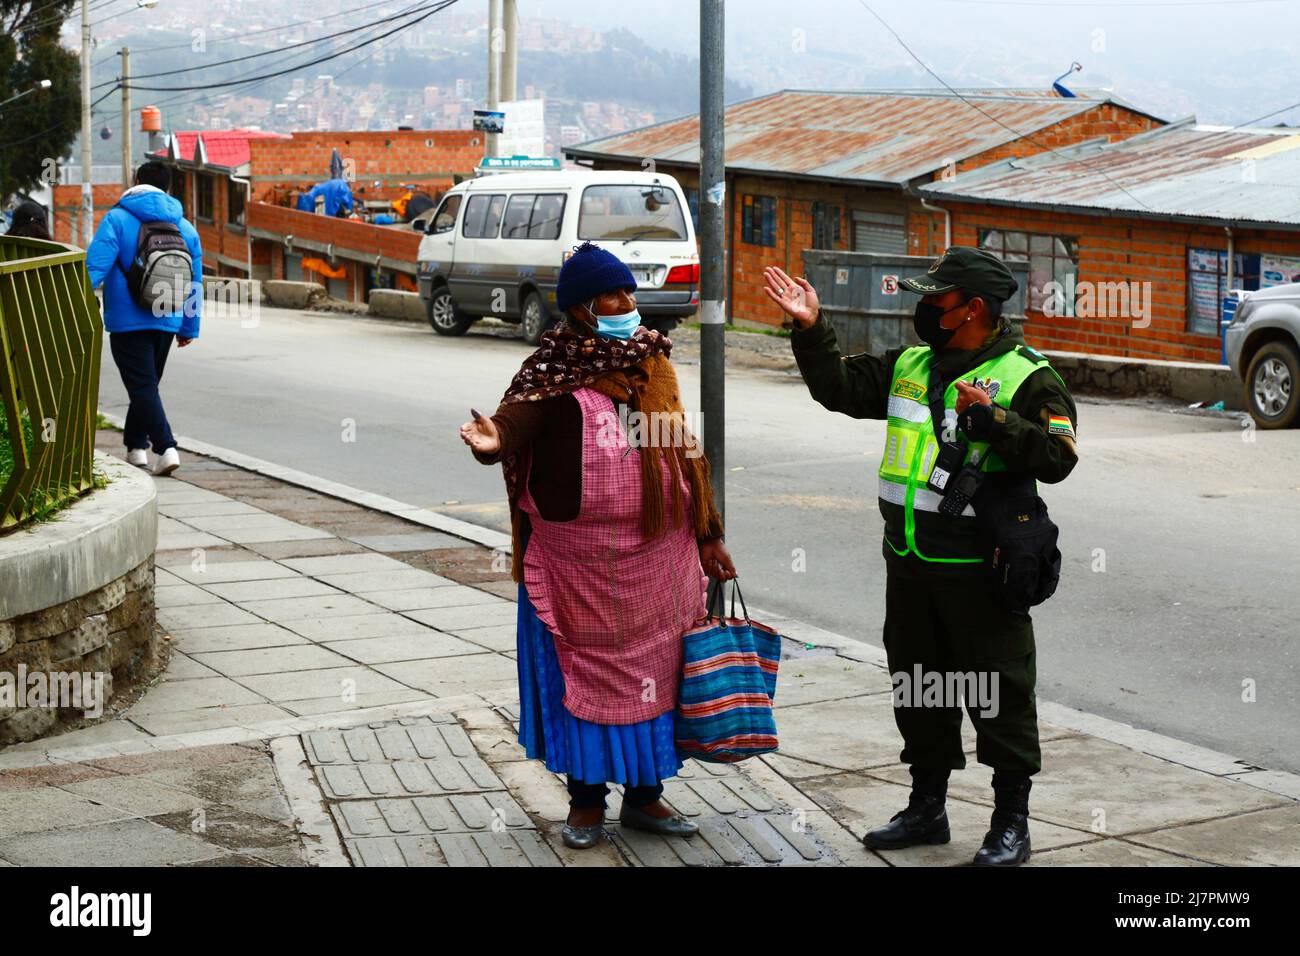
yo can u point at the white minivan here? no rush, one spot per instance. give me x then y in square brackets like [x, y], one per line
[495, 244]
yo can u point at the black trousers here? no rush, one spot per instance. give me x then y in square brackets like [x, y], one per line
[950, 625]
[586, 795]
[140, 358]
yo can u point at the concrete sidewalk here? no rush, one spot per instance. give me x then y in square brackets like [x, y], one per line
[343, 692]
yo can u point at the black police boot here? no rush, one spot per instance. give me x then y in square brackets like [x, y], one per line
[1007, 842]
[923, 821]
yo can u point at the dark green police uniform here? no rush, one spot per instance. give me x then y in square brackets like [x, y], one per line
[939, 614]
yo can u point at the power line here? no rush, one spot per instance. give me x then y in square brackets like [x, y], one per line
[986, 113]
[71, 15]
[262, 53]
[187, 99]
[253, 33]
[438, 7]
[56, 126]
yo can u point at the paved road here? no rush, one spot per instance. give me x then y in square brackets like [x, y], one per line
[1181, 540]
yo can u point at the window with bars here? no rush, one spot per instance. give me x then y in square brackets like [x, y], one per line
[758, 220]
[1052, 259]
[825, 226]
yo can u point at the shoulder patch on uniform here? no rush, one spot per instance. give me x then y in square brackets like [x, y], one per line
[1060, 425]
[1032, 354]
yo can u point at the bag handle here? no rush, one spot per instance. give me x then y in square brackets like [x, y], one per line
[715, 596]
[735, 593]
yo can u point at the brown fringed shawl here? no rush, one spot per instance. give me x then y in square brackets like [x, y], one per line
[637, 373]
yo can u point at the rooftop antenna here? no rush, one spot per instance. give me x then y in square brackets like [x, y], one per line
[1056, 83]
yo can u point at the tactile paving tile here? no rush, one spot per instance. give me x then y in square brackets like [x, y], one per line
[511, 848]
[405, 740]
[738, 839]
[407, 778]
[464, 813]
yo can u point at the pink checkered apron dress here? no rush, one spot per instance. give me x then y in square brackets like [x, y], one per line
[616, 602]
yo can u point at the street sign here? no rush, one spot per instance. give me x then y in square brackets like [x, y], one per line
[500, 163]
[889, 285]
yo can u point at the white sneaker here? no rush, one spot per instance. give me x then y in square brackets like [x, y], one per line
[138, 456]
[167, 462]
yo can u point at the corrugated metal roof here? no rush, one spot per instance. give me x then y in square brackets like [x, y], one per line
[1184, 170]
[871, 136]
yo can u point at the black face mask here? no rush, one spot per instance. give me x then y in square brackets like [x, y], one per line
[926, 323]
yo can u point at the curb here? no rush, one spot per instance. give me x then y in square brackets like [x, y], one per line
[1161, 746]
[366, 499]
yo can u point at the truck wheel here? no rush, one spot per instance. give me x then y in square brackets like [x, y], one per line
[1271, 385]
[445, 316]
[533, 320]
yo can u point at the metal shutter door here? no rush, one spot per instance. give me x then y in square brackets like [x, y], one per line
[879, 232]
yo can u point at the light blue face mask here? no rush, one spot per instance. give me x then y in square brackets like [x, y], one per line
[616, 326]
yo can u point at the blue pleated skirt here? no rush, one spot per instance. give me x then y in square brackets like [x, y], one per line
[636, 755]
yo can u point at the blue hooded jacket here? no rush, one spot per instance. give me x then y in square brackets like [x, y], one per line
[113, 248]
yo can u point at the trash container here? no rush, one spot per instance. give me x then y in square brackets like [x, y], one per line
[866, 306]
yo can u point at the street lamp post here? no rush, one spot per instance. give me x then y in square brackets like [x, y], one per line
[42, 85]
[87, 183]
[87, 190]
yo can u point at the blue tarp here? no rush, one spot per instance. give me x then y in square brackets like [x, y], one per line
[336, 193]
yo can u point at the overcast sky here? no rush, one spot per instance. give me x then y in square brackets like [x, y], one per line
[1224, 60]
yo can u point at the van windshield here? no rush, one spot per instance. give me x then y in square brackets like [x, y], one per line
[631, 212]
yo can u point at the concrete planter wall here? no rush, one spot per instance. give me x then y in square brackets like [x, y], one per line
[76, 597]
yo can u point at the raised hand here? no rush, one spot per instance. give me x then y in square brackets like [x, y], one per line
[796, 297]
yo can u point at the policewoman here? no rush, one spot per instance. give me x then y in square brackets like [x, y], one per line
[971, 410]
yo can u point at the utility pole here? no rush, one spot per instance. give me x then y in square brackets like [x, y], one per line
[510, 50]
[713, 306]
[126, 119]
[494, 28]
[87, 187]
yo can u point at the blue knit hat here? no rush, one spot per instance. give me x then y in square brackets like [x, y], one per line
[589, 272]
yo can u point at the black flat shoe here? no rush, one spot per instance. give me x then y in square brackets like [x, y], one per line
[924, 821]
[1007, 842]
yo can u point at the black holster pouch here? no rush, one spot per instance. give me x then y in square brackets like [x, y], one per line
[1018, 541]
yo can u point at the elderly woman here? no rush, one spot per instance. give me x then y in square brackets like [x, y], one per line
[611, 541]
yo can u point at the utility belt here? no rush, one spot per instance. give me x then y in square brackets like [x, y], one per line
[1017, 538]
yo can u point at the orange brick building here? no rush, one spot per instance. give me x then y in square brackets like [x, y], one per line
[237, 187]
[1170, 220]
[841, 170]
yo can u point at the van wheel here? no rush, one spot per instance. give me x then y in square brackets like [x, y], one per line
[444, 315]
[1271, 385]
[533, 319]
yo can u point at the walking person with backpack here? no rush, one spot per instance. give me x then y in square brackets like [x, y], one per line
[147, 257]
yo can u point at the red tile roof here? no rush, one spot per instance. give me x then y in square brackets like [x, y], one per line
[227, 148]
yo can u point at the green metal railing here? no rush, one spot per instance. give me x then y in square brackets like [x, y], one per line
[50, 341]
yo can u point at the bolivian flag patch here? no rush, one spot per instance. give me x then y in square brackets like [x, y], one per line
[1060, 425]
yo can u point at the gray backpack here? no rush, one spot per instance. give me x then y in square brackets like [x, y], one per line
[162, 271]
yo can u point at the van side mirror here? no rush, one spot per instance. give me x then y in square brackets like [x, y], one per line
[419, 224]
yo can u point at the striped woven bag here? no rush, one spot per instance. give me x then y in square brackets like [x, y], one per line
[724, 706]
